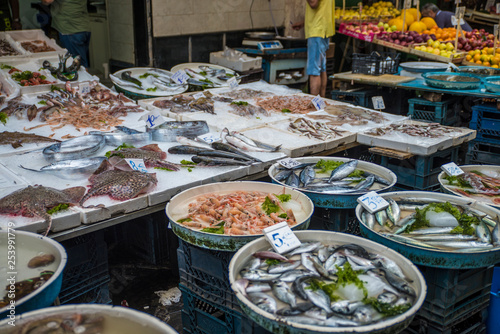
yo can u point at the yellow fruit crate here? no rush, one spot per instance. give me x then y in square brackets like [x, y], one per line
[394, 46]
[456, 58]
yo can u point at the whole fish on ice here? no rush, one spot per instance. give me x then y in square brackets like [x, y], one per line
[152, 155]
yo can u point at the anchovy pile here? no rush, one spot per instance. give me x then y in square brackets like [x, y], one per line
[327, 285]
[338, 182]
[431, 130]
[435, 225]
[310, 129]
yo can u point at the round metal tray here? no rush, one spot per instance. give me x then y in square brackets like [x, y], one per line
[489, 170]
[117, 319]
[26, 246]
[276, 325]
[436, 258]
[260, 34]
[339, 201]
[490, 85]
[449, 83]
[177, 208]
[480, 71]
[424, 66]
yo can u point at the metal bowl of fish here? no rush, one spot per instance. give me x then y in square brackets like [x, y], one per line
[31, 271]
[168, 131]
[435, 230]
[74, 148]
[479, 182]
[146, 82]
[452, 80]
[225, 216]
[332, 182]
[331, 283]
[481, 71]
[86, 319]
[492, 84]
[424, 66]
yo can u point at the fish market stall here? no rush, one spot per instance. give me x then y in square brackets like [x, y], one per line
[479, 182]
[350, 312]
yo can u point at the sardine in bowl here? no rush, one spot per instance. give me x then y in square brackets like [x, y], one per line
[114, 320]
[25, 246]
[278, 325]
[177, 208]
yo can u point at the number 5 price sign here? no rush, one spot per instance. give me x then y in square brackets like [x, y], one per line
[372, 202]
[281, 237]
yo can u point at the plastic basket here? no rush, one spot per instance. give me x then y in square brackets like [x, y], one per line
[486, 120]
[338, 220]
[480, 152]
[443, 112]
[376, 63]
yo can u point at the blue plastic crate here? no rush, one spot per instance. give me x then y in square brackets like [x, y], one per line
[205, 317]
[480, 152]
[338, 220]
[486, 120]
[97, 295]
[361, 98]
[473, 323]
[420, 172]
[444, 112]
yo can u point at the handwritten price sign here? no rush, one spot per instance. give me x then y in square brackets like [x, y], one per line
[318, 102]
[180, 77]
[452, 169]
[372, 202]
[378, 102]
[209, 138]
[289, 163]
[154, 118]
[233, 83]
[281, 237]
[84, 88]
[137, 164]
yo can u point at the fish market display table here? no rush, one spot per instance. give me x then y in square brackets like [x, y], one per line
[386, 80]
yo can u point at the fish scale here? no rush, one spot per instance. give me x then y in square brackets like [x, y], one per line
[120, 185]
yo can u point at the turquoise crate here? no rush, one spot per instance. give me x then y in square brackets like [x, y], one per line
[337, 220]
[486, 121]
[444, 112]
[201, 316]
[420, 172]
[361, 98]
[480, 152]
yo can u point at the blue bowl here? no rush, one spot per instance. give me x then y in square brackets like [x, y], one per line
[452, 80]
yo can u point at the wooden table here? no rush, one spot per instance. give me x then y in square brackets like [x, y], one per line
[385, 80]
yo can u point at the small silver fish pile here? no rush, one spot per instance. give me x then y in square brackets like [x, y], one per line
[311, 129]
[435, 225]
[327, 285]
[340, 181]
[65, 323]
[354, 116]
[431, 130]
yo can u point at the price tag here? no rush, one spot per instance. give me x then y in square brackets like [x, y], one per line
[454, 21]
[372, 202]
[198, 95]
[289, 163]
[154, 118]
[318, 102]
[84, 88]
[415, 2]
[452, 169]
[233, 83]
[407, 4]
[137, 164]
[210, 138]
[180, 77]
[281, 237]
[378, 102]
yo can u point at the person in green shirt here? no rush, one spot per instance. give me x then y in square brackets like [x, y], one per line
[319, 27]
[71, 19]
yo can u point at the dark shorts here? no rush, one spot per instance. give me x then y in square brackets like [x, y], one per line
[316, 55]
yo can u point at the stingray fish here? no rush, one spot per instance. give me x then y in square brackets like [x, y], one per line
[118, 184]
[33, 201]
[17, 139]
[152, 155]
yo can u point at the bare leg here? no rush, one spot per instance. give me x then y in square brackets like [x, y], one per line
[314, 84]
[324, 81]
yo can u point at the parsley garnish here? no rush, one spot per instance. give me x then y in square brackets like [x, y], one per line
[272, 262]
[110, 154]
[145, 75]
[184, 220]
[286, 110]
[240, 103]
[269, 207]
[43, 102]
[152, 89]
[3, 117]
[215, 230]
[59, 207]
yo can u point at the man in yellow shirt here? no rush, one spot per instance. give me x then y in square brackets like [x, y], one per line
[319, 27]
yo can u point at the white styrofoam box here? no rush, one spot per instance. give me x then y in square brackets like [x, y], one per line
[61, 221]
[19, 36]
[463, 135]
[112, 207]
[242, 64]
[22, 52]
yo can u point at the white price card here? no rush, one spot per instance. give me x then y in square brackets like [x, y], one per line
[372, 202]
[180, 77]
[153, 119]
[289, 163]
[233, 83]
[378, 102]
[210, 138]
[452, 169]
[84, 88]
[407, 4]
[198, 95]
[454, 20]
[137, 164]
[281, 237]
[318, 102]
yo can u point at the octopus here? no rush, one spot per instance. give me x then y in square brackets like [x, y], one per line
[152, 155]
[120, 185]
[34, 201]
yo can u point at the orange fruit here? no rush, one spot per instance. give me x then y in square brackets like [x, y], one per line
[490, 50]
[494, 66]
[486, 63]
[479, 62]
[468, 57]
[477, 57]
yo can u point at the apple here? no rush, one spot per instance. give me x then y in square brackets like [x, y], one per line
[394, 28]
[386, 26]
[381, 24]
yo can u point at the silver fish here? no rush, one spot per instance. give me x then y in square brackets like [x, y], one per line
[319, 268]
[186, 141]
[71, 169]
[292, 275]
[495, 235]
[304, 320]
[293, 180]
[252, 144]
[387, 298]
[323, 253]
[258, 275]
[459, 244]
[298, 309]
[399, 283]
[340, 322]
[408, 240]
[346, 307]
[359, 263]
[209, 161]
[343, 170]
[307, 175]
[368, 219]
[336, 259]
[405, 220]
[366, 314]
[283, 293]
[393, 211]
[298, 286]
[443, 237]
[366, 184]
[269, 255]
[74, 148]
[408, 222]
[242, 145]
[122, 83]
[320, 299]
[307, 262]
[258, 287]
[125, 135]
[490, 222]
[483, 232]
[306, 247]
[388, 264]
[254, 263]
[283, 267]
[263, 301]
[433, 230]
[332, 189]
[381, 217]
[282, 175]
